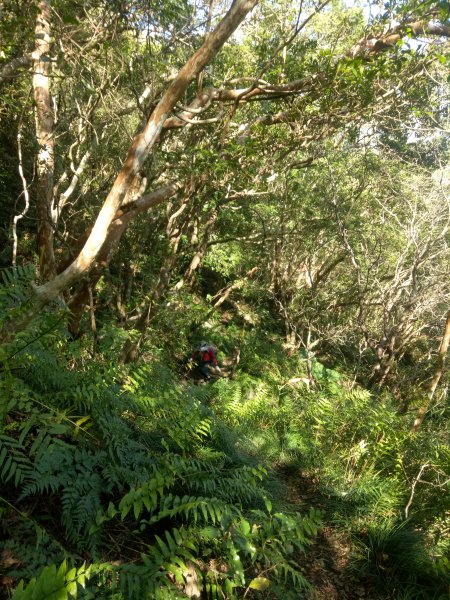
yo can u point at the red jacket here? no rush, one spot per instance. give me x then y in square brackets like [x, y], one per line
[207, 356]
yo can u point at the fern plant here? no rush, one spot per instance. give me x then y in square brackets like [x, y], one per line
[104, 451]
[54, 583]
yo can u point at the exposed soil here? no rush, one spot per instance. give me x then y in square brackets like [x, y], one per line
[327, 561]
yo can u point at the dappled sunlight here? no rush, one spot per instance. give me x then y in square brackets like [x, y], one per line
[224, 300]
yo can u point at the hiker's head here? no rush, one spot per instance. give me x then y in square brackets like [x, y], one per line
[203, 346]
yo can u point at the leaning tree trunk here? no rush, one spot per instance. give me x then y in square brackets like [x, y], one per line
[436, 377]
[137, 154]
[80, 299]
[44, 136]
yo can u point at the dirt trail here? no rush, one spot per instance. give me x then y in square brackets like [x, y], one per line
[326, 564]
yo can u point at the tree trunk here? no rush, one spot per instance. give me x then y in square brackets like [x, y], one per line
[436, 377]
[44, 135]
[137, 154]
[80, 299]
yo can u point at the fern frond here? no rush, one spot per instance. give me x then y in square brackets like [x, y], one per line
[53, 583]
[14, 462]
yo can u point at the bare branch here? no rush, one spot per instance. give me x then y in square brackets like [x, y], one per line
[413, 488]
[25, 194]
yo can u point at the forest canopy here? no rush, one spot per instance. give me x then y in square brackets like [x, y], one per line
[270, 176]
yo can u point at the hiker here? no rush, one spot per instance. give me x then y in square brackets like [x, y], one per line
[205, 357]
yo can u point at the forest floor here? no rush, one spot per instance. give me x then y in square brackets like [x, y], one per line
[326, 564]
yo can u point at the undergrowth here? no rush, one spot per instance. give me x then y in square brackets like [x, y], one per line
[122, 482]
[384, 486]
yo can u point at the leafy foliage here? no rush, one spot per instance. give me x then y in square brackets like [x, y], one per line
[112, 449]
[395, 553]
[54, 584]
[308, 240]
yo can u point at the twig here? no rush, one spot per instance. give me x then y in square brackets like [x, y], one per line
[413, 488]
[25, 192]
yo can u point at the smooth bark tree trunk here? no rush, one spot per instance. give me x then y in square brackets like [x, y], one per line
[44, 135]
[420, 416]
[137, 154]
[142, 146]
[80, 298]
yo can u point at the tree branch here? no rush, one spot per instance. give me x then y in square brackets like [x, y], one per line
[10, 70]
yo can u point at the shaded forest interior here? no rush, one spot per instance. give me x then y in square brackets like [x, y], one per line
[271, 177]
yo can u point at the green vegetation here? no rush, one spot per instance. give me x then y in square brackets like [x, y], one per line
[290, 206]
[158, 480]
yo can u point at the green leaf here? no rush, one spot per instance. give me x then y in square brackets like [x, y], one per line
[210, 532]
[259, 583]
[137, 507]
[71, 575]
[60, 594]
[71, 587]
[69, 19]
[165, 550]
[58, 429]
[176, 571]
[19, 593]
[245, 527]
